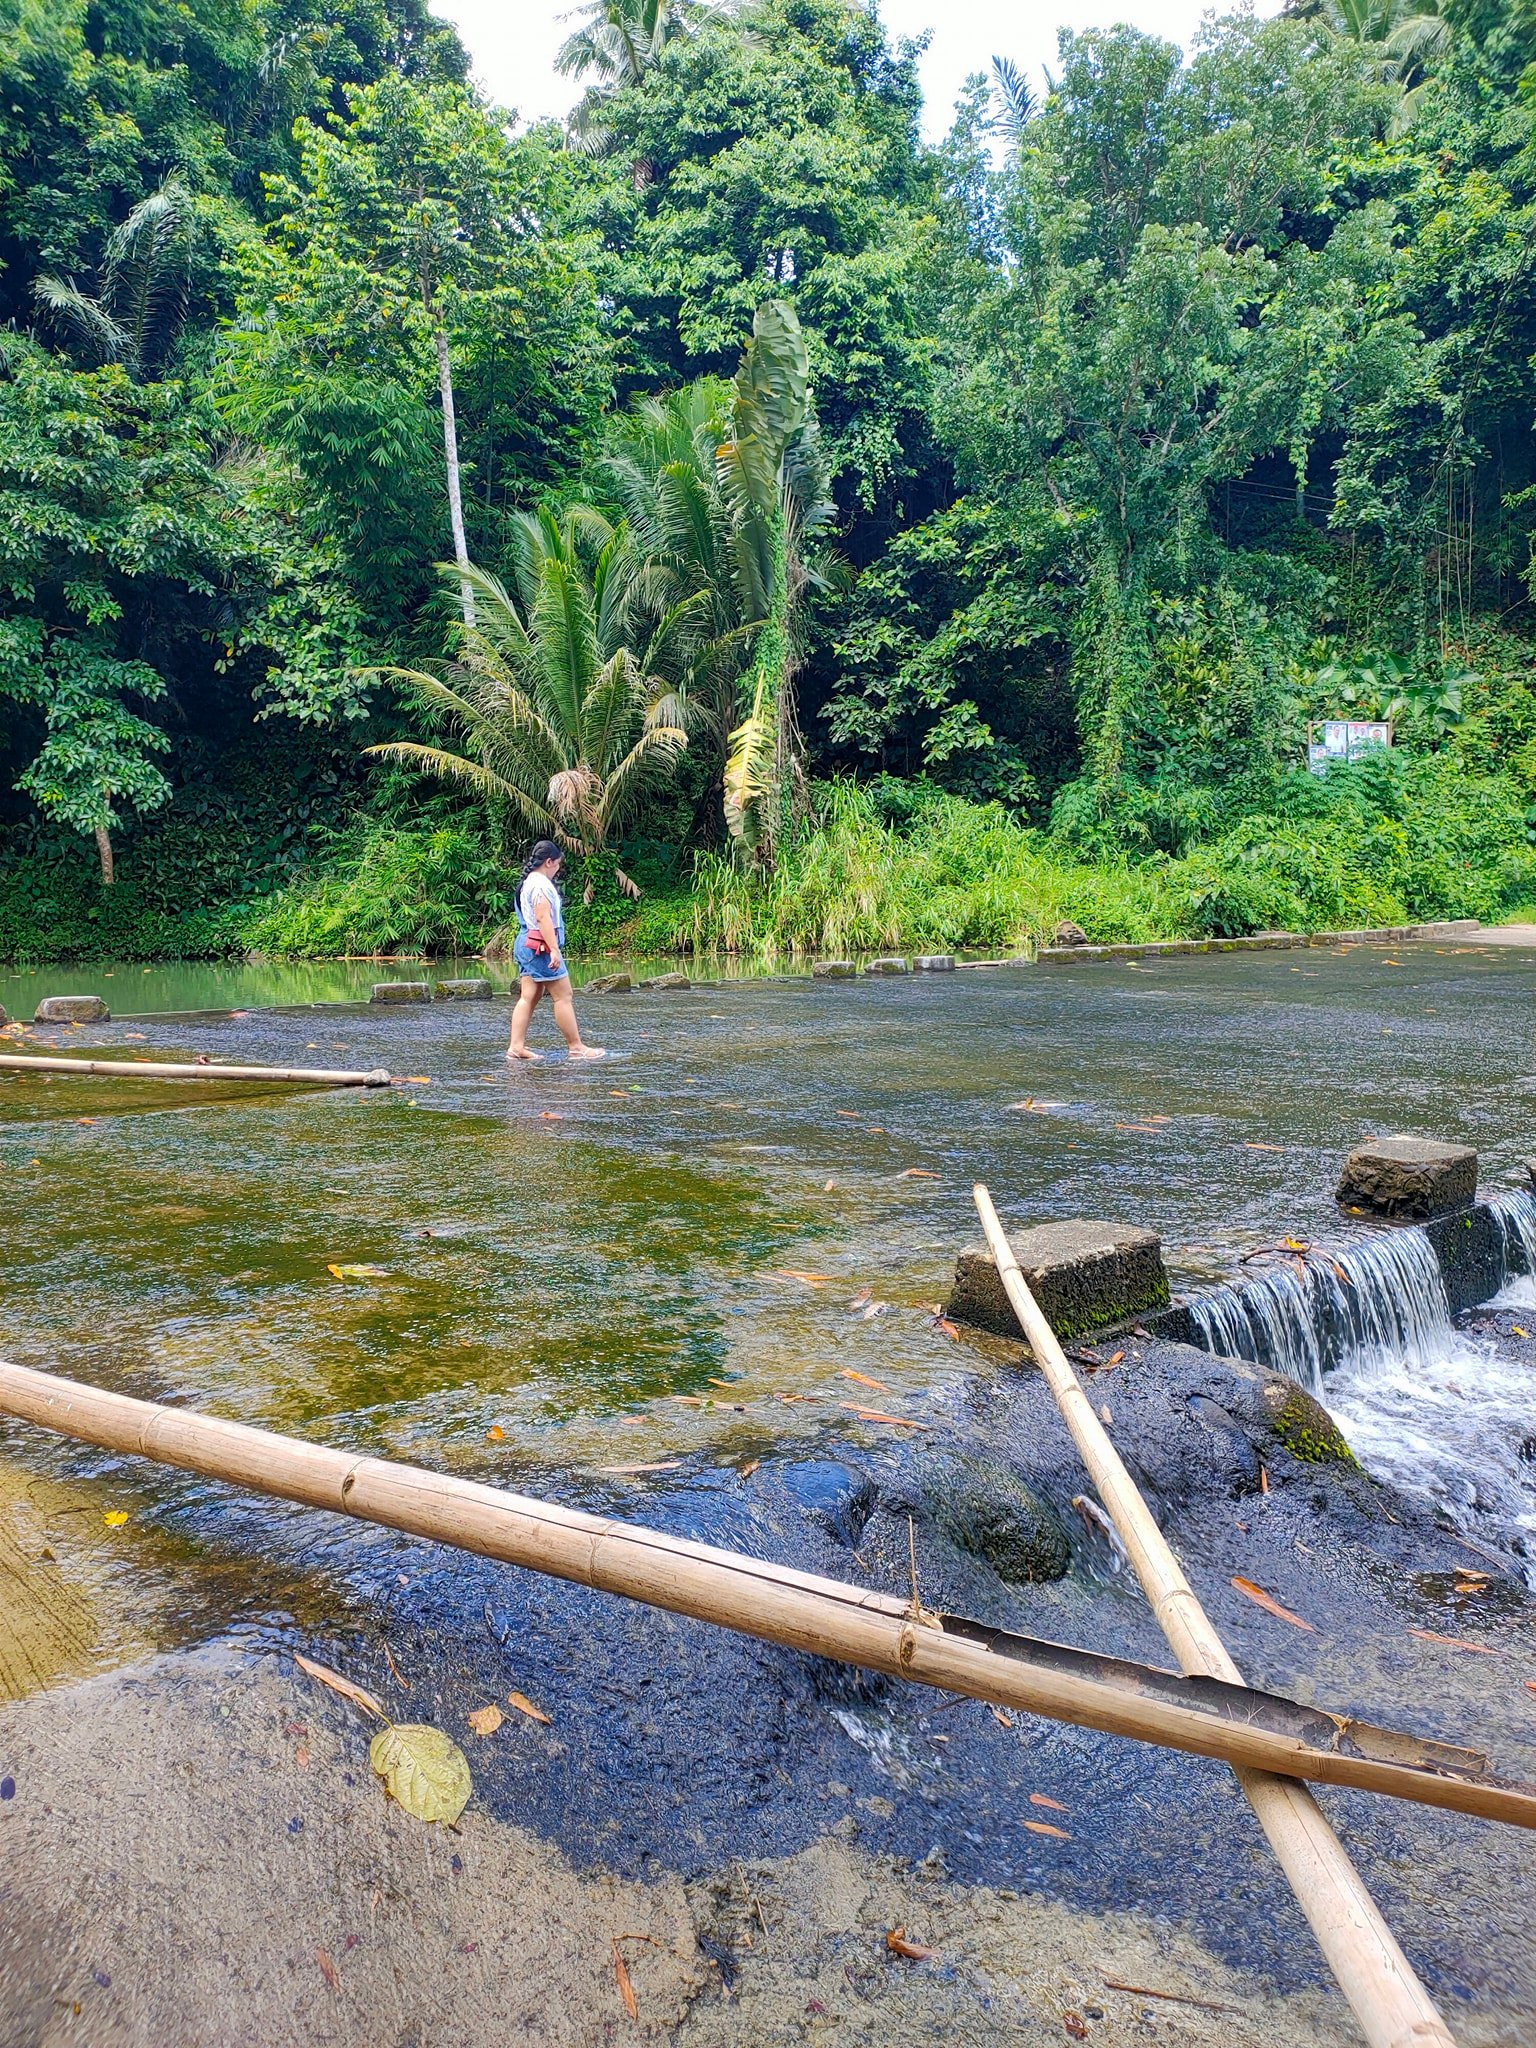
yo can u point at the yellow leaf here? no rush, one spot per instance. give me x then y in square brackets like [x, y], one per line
[115, 1518]
[486, 1720]
[423, 1771]
[524, 1705]
[358, 1272]
[495, 1434]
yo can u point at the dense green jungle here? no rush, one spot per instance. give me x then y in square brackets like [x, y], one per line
[836, 540]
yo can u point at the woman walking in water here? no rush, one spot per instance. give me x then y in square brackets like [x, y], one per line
[540, 955]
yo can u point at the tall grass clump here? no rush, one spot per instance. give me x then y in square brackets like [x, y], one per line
[391, 891]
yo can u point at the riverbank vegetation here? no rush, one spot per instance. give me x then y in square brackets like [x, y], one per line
[840, 540]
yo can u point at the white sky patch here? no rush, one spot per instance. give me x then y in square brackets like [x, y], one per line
[512, 43]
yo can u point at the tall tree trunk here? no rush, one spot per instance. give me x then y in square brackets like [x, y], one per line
[451, 454]
[104, 848]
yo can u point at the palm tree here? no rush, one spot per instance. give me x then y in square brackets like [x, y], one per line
[1401, 41]
[140, 303]
[725, 492]
[617, 43]
[559, 717]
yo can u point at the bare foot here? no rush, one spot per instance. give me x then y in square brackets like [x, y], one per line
[525, 1054]
[588, 1052]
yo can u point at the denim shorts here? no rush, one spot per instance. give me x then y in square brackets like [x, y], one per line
[535, 965]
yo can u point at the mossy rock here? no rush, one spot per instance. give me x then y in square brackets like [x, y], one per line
[985, 1509]
[1305, 1427]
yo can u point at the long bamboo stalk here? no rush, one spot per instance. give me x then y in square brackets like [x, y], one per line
[172, 1070]
[1392, 2006]
[824, 1616]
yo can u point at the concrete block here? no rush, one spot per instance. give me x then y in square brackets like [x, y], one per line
[1083, 1274]
[469, 991]
[608, 985]
[1408, 1179]
[934, 963]
[834, 970]
[400, 992]
[72, 1010]
[666, 981]
[893, 964]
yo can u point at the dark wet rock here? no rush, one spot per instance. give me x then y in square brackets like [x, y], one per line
[608, 985]
[1083, 1274]
[400, 992]
[834, 970]
[838, 1496]
[472, 989]
[72, 1010]
[1408, 1178]
[933, 963]
[892, 964]
[984, 1508]
[1234, 1445]
[1069, 934]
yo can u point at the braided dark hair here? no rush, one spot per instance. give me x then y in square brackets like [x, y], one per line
[543, 850]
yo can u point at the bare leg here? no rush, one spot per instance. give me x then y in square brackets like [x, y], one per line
[565, 1017]
[527, 1001]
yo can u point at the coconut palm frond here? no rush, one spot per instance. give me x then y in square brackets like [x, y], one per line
[81, 318]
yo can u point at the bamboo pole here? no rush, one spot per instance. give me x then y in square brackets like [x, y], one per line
[170, 1070]
[1392, 2006]
[825, 1617]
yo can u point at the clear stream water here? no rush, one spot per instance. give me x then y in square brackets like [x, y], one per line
[686, 1249]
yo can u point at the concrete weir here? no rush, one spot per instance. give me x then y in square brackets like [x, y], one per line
[1085, 1275]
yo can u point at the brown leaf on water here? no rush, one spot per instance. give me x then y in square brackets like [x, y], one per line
[413, 1080]
[1043, 1827]
[1530, 1685]
[1000, 1714]
[864, 1380]
[328, 1969]
[1269, 1604]
[668, 1465]
[356, 1272]
[864, 1294]
[1426, 1635]
[830, 1185]
[853, 1113]
[918, 1173]
[1075, 2025]
[425, 1772]
[626, 1989]
[1263, 1479]
[896, 1941]
[485, 1720]
[1253, 1145]
[746, 1470]
[301, 1756]
[874, 1415]
[495, 1434]
[943, 1323]
[524, 1705]
[551, 1116]
[355, 1693]
[1151, 1129]
[1041, 1799]
[805, 1279]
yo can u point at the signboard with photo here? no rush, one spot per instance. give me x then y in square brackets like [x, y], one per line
[1344, 739]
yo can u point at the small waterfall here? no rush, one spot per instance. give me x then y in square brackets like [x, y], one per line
[1381, 1301]
[1434, 1412]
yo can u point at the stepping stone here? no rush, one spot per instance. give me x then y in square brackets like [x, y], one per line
[1083, 1274]
[934, 963]
[473, 990]
[834, 970]
[1408, 1179]
[72, 1010]
[400, 992]
[667, 981]
[892, 965]
[608, 985]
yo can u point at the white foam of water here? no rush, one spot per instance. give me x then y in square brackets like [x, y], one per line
[1429, 1411]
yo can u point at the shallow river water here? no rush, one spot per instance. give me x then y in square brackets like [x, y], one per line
[664, 1284]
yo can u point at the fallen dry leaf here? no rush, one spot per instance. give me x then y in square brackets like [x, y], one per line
[918, 1173]
[669, 1465]
[1041, 1799]
[301, 1756]
[864, 1380]
[355, 1693]
[358, 1272]
[943, 1323]
[485, 1720]
[853, 1113]
[495, 1434]
[805, 1279]
[1075, 2025]
[1263, 1479]
[1151, 1129]
[115, 1518]
[896, 1941]
[1000, 1714]
[524, 1705]
[1426, 1635]
[745, 1471]
[413, 1081]
[874, 1415]
[626, 1989]
[328, 1969]
[1252, 1145]
[423, 1771]
[551, 1116]
[1104, 1413]
[864, 1294]
[1043, 1827]
[829, 1186]
[1269, 1604]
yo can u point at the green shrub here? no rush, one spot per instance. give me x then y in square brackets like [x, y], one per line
[438, 891]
